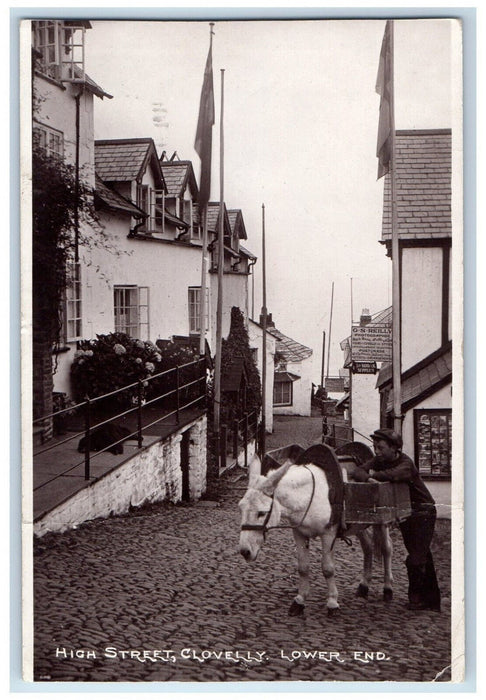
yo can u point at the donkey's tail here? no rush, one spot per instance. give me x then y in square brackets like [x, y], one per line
[379, 547]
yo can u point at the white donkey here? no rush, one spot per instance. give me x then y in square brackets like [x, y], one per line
[304, 495]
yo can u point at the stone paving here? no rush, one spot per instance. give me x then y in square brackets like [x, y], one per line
[163, 595]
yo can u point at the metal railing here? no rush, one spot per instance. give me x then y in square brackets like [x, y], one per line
[236, 435]
[136, 392]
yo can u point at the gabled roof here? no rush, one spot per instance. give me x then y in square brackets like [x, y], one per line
[281, 377]
[113, 200]
[423, 183]
[421, 380]
[379, 319]
[246, 253]
[91, 85]
[213, 219]
[289, 349]
[125, 160]
[237, 224]
[177, 175]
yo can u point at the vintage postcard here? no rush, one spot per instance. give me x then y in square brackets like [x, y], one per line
[242, 275]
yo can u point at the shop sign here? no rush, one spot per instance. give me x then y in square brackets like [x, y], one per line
[364, 368]
[372, 343]
[334, 384]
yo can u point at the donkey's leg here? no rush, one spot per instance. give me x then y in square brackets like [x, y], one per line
[366, 542]
[302, 544]
[328, 569]
[387, 551]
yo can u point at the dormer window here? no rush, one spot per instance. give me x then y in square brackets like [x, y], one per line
[60, 47]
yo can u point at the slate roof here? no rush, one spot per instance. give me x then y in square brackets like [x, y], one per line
[237, 224]
[289, 349]
[213, 219]
[177, 173]
[420, 379]
[380, 318]
[114, 200]
[423, 182]
[247, 253]
[280, 377]
[91, 85]
[124, 160]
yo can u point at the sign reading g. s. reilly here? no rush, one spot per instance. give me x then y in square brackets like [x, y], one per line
[371, 343]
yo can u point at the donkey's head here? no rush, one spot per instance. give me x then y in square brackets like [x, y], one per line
[259, 509]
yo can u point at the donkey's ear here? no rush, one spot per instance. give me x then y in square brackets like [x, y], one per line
[274, 477]
[254, 469]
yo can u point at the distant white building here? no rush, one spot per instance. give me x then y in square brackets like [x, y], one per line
[364, 398]
[292, 374]
[255, 334]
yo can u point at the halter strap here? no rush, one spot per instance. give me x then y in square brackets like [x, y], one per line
[263, 527]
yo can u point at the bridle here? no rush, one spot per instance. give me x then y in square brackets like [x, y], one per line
[264, 528]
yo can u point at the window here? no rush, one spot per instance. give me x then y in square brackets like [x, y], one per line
[50, 140]
[187, 215]
[254, 355]
[282, 393]
[195, 309]
[143, 201]
[433, 441]
[157, 210]
[132, 311]
[60, 47]
[73, 306]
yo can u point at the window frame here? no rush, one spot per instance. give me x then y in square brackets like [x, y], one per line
[288, 384]
[144, 203]
[73, 300]
[61, 52]
[194, 328]
[47, 131]
[135, 301]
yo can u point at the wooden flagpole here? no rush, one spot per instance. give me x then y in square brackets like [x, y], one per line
[396, 322]
[204, 214]
[264, 341]
[219, 313]
[202, 308]
[330, 326]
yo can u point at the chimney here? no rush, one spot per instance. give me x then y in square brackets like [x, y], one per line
[365, 317]
[270, 323]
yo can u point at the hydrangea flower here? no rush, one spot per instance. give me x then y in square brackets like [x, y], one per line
[149, 366]
[138, 360]
[119, 349]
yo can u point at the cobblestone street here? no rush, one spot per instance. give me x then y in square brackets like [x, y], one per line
[168, 582]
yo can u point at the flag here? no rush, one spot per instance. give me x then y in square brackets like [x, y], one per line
[204, 132]
[384, 89]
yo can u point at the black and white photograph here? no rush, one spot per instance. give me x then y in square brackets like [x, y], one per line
[242, 351]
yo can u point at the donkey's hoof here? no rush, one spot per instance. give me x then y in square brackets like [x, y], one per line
[362, 591]
[332, 612]
[387, 595]
[296, 609]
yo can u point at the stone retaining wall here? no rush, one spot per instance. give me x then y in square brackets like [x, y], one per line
[152, 475]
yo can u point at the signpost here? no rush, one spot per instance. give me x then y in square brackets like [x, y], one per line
[372, 343]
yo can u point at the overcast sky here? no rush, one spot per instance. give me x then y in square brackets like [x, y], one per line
[300, 125]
